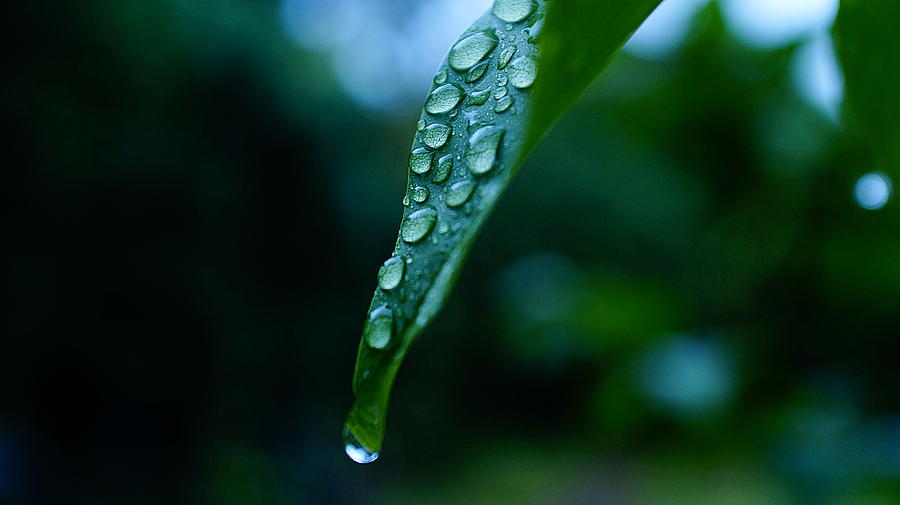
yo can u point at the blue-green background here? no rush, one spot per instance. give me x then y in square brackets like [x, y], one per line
[680, 300]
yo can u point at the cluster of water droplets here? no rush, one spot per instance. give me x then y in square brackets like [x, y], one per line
[456, 151]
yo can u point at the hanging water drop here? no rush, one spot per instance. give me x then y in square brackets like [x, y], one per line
[436, 135]
[419, 194]
[391, 273]
[482, 150]
[380, 327]
[420, 160]
[443, 169]
[443, 99]
[505, 56]
[522, 72]
[513, 11]
[420, 126]
[459, 193]
[503, 104]
[470, 50]
[418, 225]
[357, 451]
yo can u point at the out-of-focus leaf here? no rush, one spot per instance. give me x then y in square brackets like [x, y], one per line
[868, 42]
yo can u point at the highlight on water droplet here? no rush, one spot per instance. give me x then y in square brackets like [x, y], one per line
[482, 151]
[513, 11]
[356, 450]
[419, 194]
[436, 135]
[443, 99]
[522, 72]
[391, 273]
[444, 167]
[418, 225]
[420, 160]
[466, 53]
[459, 193]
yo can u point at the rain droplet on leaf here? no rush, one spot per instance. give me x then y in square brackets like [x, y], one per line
[470, 50]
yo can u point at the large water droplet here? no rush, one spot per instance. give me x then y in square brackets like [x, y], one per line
[444, 167]
[470, 50]
[505, 56]
[513, 11]
[478, 97]
[380, 327]
[436, 135]
[477, 72]
[522, 72]
[419, 194]
[391, 273]
[459, 193]
[356, 450]
[420, 160]
[418, 225]
[443, 99]
[482, 150]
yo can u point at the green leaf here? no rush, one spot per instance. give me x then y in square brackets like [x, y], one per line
[506, 80]
[868, 44]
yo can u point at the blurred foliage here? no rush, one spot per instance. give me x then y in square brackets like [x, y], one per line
[195, 208]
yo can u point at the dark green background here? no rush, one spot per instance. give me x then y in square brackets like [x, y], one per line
[196, 214]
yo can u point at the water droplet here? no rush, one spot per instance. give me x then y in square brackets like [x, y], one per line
[482, 150]
[436, 135]
[505, 56]
[478, 97]
[444, 167]
[406, 200]
[443, 228]
[420, 160]
[459, 193]
[391, 273]
[513, 11]
[357, 451]
[503, 104]
[443, 99]
[500, 92]
[477, 72]
[380, 327]
[502, 79]
[522, 72]
[419, 194]
[420, 126]
[418, 225]
[470, 50]
[441, 76]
